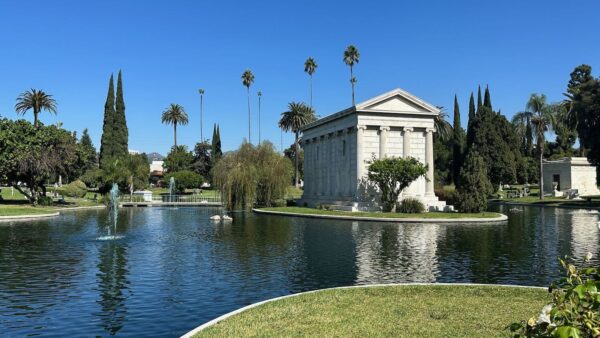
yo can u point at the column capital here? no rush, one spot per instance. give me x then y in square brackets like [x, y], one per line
[430, 130]
[361, 127]
[386, 128]
[409, 129]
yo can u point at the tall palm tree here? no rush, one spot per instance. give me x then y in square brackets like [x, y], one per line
[297, 116]
[37, 100]
[523, 127]
[247, 80]
[201, 91]
[174, 114]
[259, 96]
[310, 67]
[351, 57]
[542, 121]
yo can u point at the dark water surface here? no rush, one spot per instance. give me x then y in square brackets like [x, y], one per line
[175, 269]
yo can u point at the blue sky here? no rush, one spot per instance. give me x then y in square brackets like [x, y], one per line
[169, 49]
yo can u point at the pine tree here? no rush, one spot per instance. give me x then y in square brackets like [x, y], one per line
[470, 122]
[106, 143]
[458, 141]
[474, 187]
[479, 104]
[487, 101]
[120, 133]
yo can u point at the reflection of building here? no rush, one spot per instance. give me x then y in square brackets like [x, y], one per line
[570, 173]
[584, 230]
[337, 149]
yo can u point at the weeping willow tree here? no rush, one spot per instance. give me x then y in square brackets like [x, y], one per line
[252, 176]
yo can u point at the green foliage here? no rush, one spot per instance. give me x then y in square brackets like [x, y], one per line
[115, 135]
[528, 170]
[252, 175]
[106, 143]
[487, 100]
[470, 135]
[174, 115]
[45, 201]
[392, 175]
[86, 155]
[442, 159]
[410, 206]
[185, 179]
[203, 159]
[178, 159]
[216, 152]
[297, 116]
[36, 100]
[574, 310]
[474, 186]
[34, 155]
[291, 154]
[129, 173]
[458, 143]
[73, 189]
[120, 132]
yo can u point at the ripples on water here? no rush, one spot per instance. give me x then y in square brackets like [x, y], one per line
[173, 269]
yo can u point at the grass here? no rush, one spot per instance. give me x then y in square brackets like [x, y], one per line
[389, 311]
[21, 210]
[437, 215]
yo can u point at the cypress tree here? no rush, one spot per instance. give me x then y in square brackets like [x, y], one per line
[471, 119]
[458, 140]
[106, 143]
[487, 101]
[473, 187]
[479, 104]
[120, 134]
[216, 145]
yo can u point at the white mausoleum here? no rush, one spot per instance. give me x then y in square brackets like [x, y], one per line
[570, 173]
[338, 148]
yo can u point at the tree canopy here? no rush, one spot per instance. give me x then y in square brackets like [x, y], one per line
[392, 175]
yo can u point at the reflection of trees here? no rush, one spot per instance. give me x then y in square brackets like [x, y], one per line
[112, 285]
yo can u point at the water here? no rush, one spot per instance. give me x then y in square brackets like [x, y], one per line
[172, 270]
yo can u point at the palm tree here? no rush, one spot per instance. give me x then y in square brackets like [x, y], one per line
[259, 96]
[297, 116]
[310, 67]
[37, 100]
[175, 114]
[542, 121]
[247, 80]
[351, 57]
[442, 126]
[522, 123]
[201, 91]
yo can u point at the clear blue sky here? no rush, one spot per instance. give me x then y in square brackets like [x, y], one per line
[169, 49]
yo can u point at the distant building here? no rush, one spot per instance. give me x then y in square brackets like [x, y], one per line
[156, 168]
[570, 173]
[134, 152]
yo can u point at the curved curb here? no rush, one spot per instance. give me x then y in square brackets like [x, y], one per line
[544, 205]
[27, 217]
[499, 219]
[208, 324]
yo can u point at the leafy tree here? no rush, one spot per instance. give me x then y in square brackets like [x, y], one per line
[392, 175]
[473, 185]
[120, 132]
[487, 100]
[247, 81]
[522, 124]
[542, 121]
[137, 171]
[310, 67]
[216, 153]
[442, 126]
[442, 159]
[174, 114]
[202, 159]
[185, 179]
[178, 159]
[33, 155]
[128, 172]
[351, 57]
[297, 116]
[458, 142]
[107, 149]
[252, 175]
[86, 154]
[37, 100]
[291, 154]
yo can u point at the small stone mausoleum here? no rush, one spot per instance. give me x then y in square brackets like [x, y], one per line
[570, 173]
[338, 148]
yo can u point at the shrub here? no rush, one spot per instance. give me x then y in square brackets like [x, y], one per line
[279, 203]
[474, 186]
[45, 200]
[574, 310]
[73, 189]
[185, 179]
[410, 206]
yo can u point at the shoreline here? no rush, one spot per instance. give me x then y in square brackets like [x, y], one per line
[541, 205]
[57, 213]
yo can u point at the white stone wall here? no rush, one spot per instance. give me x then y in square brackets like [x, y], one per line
[395, 143]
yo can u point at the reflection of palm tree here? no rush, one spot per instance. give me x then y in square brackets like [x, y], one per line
[113, 286]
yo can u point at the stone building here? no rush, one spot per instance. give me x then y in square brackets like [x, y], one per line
[570, 173]
[338, 148]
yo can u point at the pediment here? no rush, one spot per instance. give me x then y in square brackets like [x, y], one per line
[398, 100]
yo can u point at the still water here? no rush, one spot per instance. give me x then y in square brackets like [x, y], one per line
[174, 269]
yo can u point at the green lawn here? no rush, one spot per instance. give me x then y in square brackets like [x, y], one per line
[19, 210]
[389, 311]
[437, 215]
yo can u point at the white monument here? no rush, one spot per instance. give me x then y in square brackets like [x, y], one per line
[570, 173]
[338, 148]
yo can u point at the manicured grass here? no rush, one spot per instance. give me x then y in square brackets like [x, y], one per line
[553, 201]
[293, 192]
[20, 210]
[389, 311]
[436, 215]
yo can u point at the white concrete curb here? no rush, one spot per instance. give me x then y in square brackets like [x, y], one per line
[195, 331]
[27, 217]
[501, 218]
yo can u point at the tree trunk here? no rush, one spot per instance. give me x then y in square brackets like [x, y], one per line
[175, 134]
[541, 180]
[311, 91]
[35, 117]
[352, 82]
[201, 123]
[296, 183]
[249, 135]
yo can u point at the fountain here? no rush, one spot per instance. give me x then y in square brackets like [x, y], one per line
[171, 188]
[113, 213]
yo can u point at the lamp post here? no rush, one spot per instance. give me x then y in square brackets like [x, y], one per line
[259, 96]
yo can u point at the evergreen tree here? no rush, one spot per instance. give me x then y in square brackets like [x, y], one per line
[216, 151]
[479, 104]
[458, 141]
[474, 187]
[120, 132]
[107, 141]
[487, 101]
[86, 152]
[471, 119]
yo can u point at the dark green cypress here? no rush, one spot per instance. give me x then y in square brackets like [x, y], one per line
[470, 122]
[216, 145]
[458, 141]
[479, 104]
[106, 143]
[121, 133]
[487, 101]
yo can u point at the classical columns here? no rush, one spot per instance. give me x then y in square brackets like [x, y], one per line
[429, 161]
[406, 142]
[359, 152]
[331, 164]
[383, 141]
